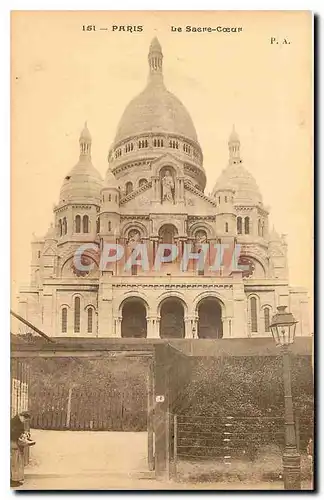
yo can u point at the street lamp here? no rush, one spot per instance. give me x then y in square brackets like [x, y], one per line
[283, 328]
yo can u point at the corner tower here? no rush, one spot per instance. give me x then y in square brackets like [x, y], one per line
[79, 202]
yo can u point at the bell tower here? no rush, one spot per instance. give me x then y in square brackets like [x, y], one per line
[234, 148]
[85, 143]
[155, 59]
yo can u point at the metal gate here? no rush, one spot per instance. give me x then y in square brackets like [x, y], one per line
[19, 397]
[212, 438]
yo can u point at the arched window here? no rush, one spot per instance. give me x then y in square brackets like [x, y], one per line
[254, 314]
[85, 224]
[262, 229]
[90, 320]
[226, 227]
[259, 228]
[247, 225]
[64, 225]
[77, 312]
[109, 225]
[60, 228]
[109, 197]
[98, 225]
[142, 182]
[239, 225]
[64, 320]
[266, 319]
[129, 187]
[78, 224]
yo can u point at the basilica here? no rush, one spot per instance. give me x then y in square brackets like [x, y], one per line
[154, 192]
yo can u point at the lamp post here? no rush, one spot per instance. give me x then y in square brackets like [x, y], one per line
[283, 328]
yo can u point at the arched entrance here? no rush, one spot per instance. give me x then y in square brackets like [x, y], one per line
[172, 319]
[133, 323]
[210, 324]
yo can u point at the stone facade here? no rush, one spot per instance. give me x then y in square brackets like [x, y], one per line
[153, 193]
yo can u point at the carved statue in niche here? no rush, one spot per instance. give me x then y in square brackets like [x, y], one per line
[134, 237]
[167, 187]
[167, 234]
[201, 237]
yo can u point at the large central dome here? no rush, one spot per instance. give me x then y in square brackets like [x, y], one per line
[155, 110]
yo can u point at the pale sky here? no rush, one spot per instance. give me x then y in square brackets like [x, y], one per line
[62, 76]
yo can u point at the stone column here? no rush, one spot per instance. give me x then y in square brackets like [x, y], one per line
[227, 330]
[195, 326]
[180, 244]
[155, 244]
[152, 327]
[157, 327]
[190, 327]
[117, 321]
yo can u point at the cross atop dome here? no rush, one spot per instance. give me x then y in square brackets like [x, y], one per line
[155, 59]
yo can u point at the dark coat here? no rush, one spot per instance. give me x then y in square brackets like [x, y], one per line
[17, 427]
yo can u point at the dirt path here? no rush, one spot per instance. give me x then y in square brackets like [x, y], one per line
[83, 452]
[87, 460]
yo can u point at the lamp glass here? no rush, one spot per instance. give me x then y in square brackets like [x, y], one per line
[283, 334]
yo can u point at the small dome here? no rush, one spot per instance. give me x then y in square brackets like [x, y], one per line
[110, 180]
[274, 236]
[83, 183]
[223, 186]
[243, 183]
[50, 235]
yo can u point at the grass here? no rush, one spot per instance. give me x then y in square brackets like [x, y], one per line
[266, 467]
